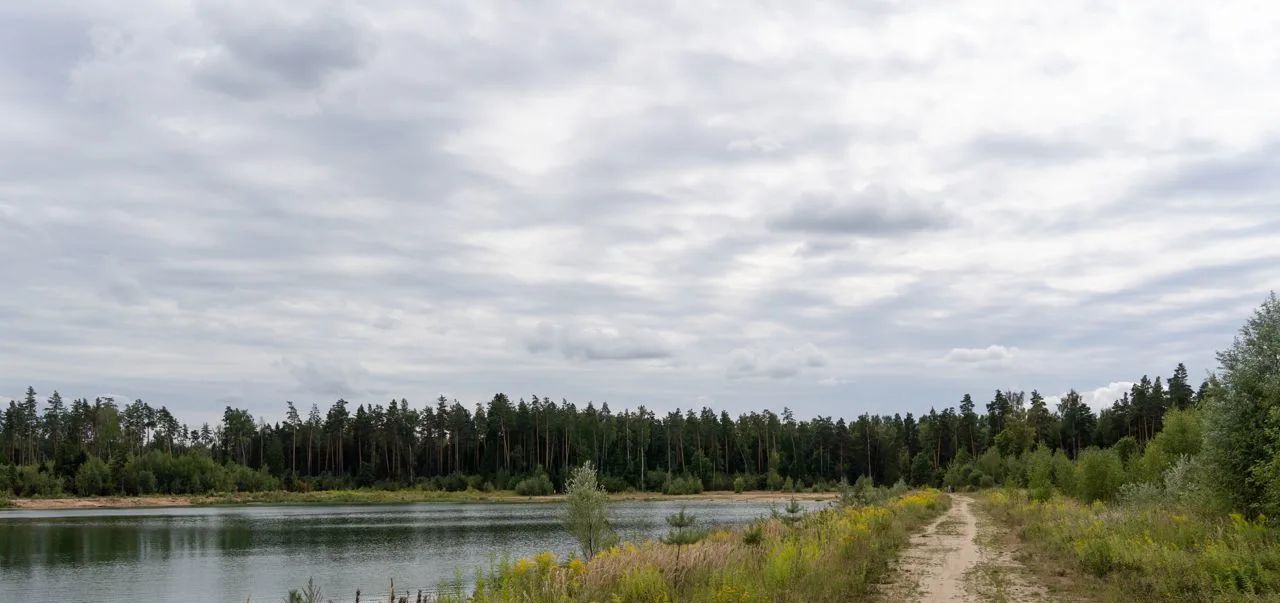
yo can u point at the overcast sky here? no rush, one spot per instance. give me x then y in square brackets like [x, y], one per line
[850, 207]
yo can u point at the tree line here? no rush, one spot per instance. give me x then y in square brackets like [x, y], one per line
[133, 448]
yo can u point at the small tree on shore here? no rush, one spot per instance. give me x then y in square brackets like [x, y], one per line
[792, 513]
[588, 511]
[682, 532]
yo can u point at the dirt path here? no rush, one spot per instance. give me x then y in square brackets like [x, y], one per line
[959, 557]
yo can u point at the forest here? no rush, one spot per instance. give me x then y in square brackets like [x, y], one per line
[105, 447]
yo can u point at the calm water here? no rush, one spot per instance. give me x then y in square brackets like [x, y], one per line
[230, 553]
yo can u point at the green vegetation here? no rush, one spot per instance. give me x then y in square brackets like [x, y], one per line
[588, 511]
[536, 485]
[681, 532]
[835, 554]
[1183, 507]
[530, 445]
[1150, 552]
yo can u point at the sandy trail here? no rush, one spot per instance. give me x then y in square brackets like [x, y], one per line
[959, 558]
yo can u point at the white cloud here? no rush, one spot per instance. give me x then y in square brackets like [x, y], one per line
[1098, 398]
[990, 355]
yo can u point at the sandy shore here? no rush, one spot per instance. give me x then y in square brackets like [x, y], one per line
[378, 497]
[105, 502]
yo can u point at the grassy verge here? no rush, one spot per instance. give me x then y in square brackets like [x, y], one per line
[831, 555]
[1149, 552]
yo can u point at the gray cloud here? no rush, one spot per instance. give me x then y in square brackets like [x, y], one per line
[774, 363]
[394, 197]
[1252, 172]
[328, 380]
[598, 343]
[256, 52]
[873, 211]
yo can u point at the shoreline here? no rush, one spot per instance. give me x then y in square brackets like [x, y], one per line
[339, 497]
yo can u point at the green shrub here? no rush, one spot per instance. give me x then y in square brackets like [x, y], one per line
[37, 480]
[93, 478]
[1101, 474]
[774, 481]
[656, 480]
[537, 485]
[615, 484]
[454, 482]
[8, 475]
[739, 484]
[1040, 474]
[686, 484]
[1065, 475]
[991, 464]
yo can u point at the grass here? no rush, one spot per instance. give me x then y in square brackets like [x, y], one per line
[831, 555]
[1149, 552]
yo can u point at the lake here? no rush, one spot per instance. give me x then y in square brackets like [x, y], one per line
[232, 553]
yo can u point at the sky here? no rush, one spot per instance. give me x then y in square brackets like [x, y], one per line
[833, 207]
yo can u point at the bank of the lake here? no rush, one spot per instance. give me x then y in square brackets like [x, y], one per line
[405, 496]
[836, 554]
[230, 553]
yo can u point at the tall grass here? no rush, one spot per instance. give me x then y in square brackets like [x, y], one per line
[835, 554]
[1153, 552]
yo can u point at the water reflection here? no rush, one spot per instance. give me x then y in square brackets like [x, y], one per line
[229, 553]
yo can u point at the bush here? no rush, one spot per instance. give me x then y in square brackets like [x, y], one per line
[958, 475]
[615, 484]
[93, 478]
[1180, 436]
[739, 484]
[991, 464]
[719, 482]
[1140, 494]
[687, 484]
[1040, 474]
[537, 485]
[1065, 475]
[774, 481]
[454, 482]
[1101, 474]
[37, 480]
[8, 474]
[655, 480]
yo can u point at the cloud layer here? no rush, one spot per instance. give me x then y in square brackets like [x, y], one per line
[835, 208]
